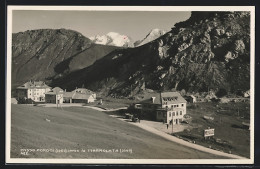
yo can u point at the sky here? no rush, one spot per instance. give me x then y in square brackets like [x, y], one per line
[135, 24]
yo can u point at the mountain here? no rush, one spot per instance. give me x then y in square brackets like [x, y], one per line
[47, 54]
[210, 50]
[113, 39]
[152, 35]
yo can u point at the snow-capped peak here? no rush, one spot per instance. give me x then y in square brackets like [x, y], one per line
[152, 35]
[113, 39]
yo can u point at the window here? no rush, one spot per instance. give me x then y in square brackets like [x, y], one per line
[169, 114]
[176, 113]
[177, 105]
[173, 113]
[182, 105]
[180, 112]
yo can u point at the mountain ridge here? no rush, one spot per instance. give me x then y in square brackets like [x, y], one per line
[152, 35]
[209, 51]
[45, 54]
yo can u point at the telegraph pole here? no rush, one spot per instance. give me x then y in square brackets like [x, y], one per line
[172, 123]
[57, 101]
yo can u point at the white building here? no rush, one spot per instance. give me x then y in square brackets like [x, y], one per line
[32, 91]
[169, 107]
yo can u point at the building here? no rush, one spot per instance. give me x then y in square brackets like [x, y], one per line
[55, 96]
[79, 95]
[169, 107]
[191, 99]
[82, 98]
[67, 97]
[32, 91]
[85, 91]
[14, 101]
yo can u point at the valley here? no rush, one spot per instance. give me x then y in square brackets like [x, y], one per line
[86, 95]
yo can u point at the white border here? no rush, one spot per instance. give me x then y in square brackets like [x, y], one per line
[129, 161]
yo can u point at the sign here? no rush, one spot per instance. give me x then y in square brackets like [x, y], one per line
[209, 132]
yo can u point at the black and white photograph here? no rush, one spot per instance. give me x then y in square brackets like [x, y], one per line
[130, 85]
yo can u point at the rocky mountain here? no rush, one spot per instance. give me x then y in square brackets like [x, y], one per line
[48, 54]
[209, 51]
[113, 39]
[152, 35]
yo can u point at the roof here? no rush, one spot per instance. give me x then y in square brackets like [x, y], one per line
[50, 93]
[67, 94]
[192, 96]
[170, 97]
[80, 96]
[147, 98]
[83, 90]
[55, 91]
[13, 100]
[34, 85]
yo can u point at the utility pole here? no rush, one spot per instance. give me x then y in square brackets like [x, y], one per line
[172, 123]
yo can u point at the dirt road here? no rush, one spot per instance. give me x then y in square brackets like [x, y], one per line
[175, 139]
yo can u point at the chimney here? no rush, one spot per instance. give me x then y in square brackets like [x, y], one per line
[153, 98]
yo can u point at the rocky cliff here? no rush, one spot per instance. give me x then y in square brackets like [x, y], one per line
[209, 51]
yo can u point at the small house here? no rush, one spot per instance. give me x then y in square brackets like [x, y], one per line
[54, 96]
[191, 99]
[82, 98]
[85, 91]
[14, 101]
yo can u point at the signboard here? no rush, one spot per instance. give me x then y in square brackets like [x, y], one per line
[209, 132]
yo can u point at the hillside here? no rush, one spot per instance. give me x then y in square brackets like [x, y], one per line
[47, 54]
[77, 128]
[209, 51]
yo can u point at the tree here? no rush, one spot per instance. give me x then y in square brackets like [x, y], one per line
[221, 92]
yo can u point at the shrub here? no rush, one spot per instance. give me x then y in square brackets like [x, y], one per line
[221, 92]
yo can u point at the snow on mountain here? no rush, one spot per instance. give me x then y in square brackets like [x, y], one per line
[152, 35]
[113, 39]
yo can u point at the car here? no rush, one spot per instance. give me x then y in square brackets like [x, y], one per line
[185, 122]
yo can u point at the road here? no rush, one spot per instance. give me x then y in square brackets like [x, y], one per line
[172, 138]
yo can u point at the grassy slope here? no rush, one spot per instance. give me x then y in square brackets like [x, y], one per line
[76, 128]
[228, 126]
